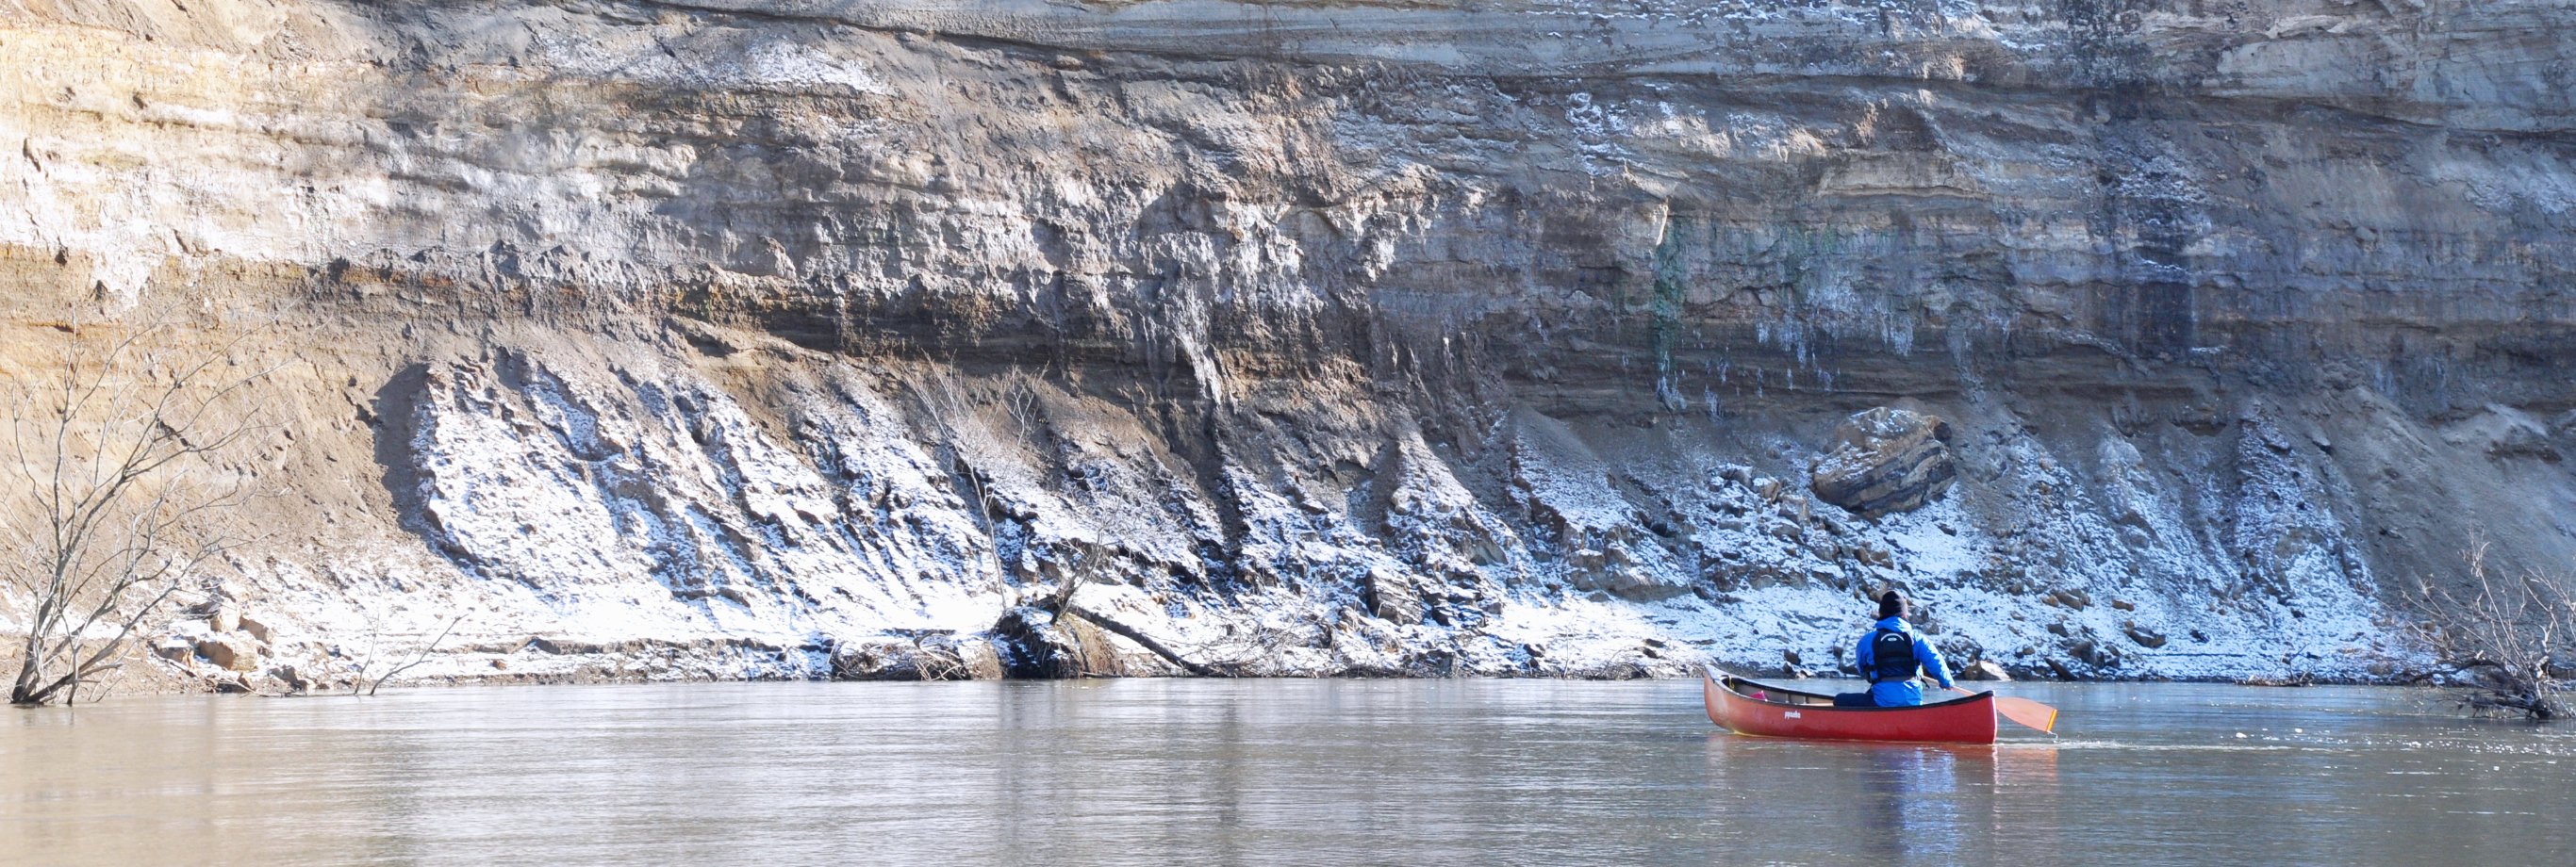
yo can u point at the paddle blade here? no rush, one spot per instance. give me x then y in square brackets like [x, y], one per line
[2027, 712]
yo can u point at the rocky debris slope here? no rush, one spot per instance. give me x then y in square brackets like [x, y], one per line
[754, 338]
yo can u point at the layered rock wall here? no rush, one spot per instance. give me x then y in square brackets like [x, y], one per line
[759, 337]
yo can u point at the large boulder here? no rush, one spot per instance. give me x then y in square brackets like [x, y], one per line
[928, 655]
[878, 659]
[231, 650]
[257, 630]
[2145, 636]
[1038, 645]
[1886, 460]
[1983, 669]
[1391, 597]
[175, 649]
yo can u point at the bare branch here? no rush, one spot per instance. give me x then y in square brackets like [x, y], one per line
[120, 486]
[2504, 641]
[416, 658]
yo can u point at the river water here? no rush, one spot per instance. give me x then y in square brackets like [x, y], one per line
[1261, 772]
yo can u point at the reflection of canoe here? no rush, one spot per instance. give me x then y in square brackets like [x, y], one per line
[1751, 708]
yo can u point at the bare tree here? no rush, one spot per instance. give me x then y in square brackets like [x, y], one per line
[360, 683]
[115, 496]
[2502, 638]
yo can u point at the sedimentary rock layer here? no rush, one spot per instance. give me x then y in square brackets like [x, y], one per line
[756, 337]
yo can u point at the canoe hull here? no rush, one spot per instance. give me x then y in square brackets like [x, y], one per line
[1783, 713]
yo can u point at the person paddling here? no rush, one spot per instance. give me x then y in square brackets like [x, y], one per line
[1890, 656]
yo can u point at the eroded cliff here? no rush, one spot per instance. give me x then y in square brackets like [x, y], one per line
[773, 338]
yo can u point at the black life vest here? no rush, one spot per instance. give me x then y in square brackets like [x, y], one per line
[1891, 656]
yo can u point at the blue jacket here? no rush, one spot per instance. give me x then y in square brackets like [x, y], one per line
[1901, 693]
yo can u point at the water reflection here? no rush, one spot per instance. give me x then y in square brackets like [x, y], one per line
[1886, 804]
[1911, 814]
[2023, 816]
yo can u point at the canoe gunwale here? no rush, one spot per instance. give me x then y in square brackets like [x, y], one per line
[1731, 682]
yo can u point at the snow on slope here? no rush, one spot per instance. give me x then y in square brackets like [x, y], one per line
[623, 516]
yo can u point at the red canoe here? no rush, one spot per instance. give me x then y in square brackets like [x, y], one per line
[1745, 707]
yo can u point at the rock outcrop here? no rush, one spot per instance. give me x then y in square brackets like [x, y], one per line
[229, 651]
[764, 338]
[1982, 670]
[1886, 460]
[930, 656]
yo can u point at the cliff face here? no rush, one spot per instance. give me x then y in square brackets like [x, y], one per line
[760, 337]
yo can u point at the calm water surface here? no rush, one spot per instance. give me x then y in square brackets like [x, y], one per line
[1261, 772]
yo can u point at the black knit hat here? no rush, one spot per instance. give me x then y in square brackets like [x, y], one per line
[1891, 605]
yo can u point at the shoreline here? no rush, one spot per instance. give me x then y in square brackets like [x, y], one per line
[172, 680]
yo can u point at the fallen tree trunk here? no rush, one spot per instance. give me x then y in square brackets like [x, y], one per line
[2536, 706]
[1142, 640]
